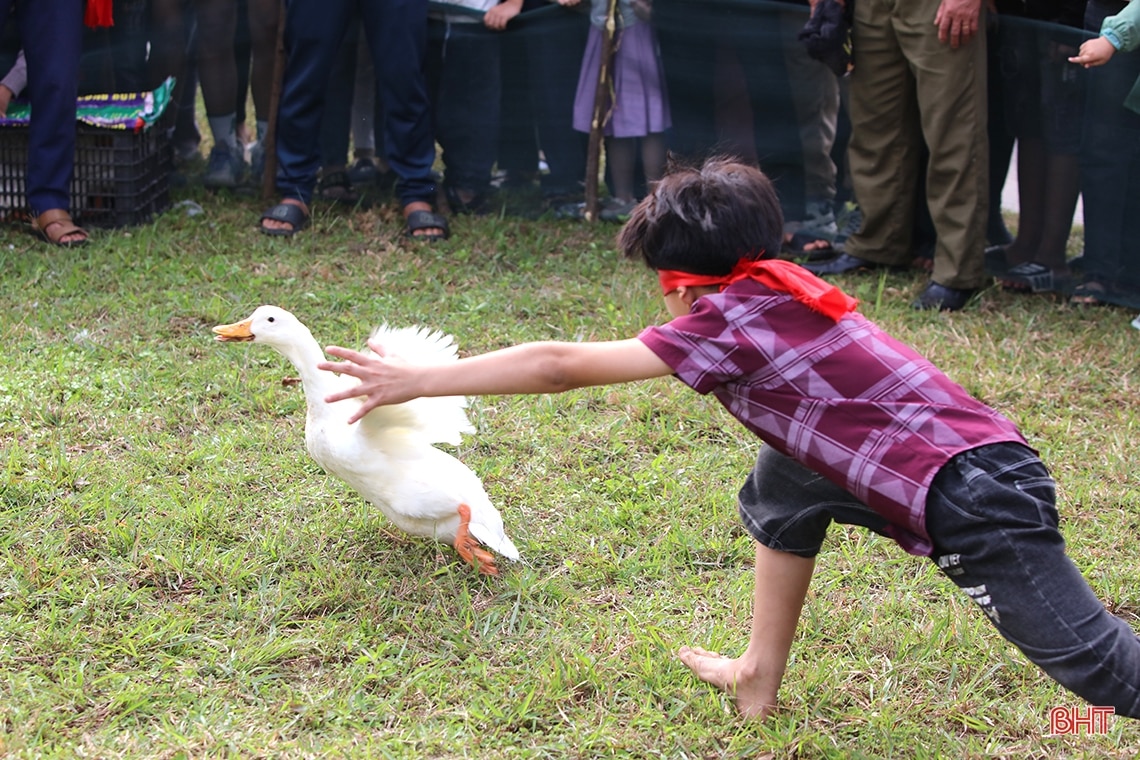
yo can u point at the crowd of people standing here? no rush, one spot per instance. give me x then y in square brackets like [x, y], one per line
[909, 146]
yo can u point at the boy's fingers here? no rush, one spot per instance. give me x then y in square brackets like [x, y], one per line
[347, 353]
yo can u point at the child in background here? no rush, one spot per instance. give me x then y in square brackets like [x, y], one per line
[640, 110]
[860, 429]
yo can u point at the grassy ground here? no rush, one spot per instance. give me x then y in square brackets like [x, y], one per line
[179, 579]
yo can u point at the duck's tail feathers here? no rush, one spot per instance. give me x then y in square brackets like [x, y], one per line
[433, 420]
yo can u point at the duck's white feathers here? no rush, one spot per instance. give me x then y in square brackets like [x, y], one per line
[387, 456]
[435, 420]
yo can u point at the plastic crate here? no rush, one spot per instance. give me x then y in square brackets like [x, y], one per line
[121, 177]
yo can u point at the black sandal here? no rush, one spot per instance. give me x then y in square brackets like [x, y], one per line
[426, 220]
[289, 213]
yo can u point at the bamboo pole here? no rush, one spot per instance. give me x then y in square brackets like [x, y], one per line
[602, 98]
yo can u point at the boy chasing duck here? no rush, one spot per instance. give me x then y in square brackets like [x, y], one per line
[860, 429]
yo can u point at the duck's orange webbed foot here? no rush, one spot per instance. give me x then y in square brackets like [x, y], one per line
[469, 549]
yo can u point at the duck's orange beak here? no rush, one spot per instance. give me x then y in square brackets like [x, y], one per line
[238, 331]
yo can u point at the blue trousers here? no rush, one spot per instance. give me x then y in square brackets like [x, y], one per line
[52, 37]
[396, 31]
[992, 517]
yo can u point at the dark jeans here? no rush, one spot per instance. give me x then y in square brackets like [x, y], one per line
[992, 518]
[540, 64]
[464, 82]
[396, 32]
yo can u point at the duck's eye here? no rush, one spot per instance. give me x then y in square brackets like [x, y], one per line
[273, 319]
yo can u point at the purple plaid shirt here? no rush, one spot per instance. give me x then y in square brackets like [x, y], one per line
[843, 398]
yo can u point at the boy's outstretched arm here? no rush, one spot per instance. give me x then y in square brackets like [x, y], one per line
[548, 367]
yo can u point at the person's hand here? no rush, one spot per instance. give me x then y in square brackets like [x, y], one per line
[383, 380]
[5, 99]
[568, 3]
[957, 21]
[497, 17]
[1094, 52]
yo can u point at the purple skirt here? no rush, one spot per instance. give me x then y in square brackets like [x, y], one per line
[642, 107]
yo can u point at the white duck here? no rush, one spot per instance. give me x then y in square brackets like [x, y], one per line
[388, 456]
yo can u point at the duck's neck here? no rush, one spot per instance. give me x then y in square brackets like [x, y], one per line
[304, 356]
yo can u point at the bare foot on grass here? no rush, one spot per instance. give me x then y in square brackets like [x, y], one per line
[727, 675]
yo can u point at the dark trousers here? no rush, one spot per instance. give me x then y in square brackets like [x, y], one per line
[396, 31]
[1110, 165]
[991, 516]
[464, 81]
[540, 75]
[52, 37]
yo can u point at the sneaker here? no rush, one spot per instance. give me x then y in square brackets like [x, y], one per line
[819, 220]
[224, 168]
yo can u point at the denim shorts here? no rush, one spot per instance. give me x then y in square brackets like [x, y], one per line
[991, 515]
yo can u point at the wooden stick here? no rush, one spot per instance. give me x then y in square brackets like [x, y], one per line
[601, 113]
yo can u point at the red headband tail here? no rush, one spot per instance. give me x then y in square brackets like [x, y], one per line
[781, 276]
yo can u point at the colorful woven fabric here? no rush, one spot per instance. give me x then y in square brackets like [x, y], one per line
[132, 111]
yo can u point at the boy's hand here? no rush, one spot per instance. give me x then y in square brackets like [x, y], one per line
[382, 380]
[5, 99]
[496, 18]
[1094, 52]
[957, 21]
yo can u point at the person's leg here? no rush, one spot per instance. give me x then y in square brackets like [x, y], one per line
[335, 121]
[313, 30]
[992, 518]
[787, 508]
[653, 156]
[555, 48]
[467, 119]
[754, 678]
[620, 153]
[217, 70]
[53, 38]
[397, 38]
[951, 90]
[885, 139]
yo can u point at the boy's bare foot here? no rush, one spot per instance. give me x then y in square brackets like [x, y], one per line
[726, 674]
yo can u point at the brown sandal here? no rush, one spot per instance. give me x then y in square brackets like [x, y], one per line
[56, 224]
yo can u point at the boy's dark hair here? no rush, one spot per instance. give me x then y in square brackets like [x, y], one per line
[702, 220]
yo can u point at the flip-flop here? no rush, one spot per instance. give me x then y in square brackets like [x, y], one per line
[1089, 293]
[1027, 277]
[426, 220]
[290, 213]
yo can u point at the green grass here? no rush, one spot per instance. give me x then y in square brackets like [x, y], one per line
[179, 579]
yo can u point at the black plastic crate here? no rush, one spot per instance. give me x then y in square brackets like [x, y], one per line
[121, 178]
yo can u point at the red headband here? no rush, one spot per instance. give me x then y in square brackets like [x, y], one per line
[779, 275]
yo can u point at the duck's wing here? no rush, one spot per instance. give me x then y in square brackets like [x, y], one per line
[433, 420]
